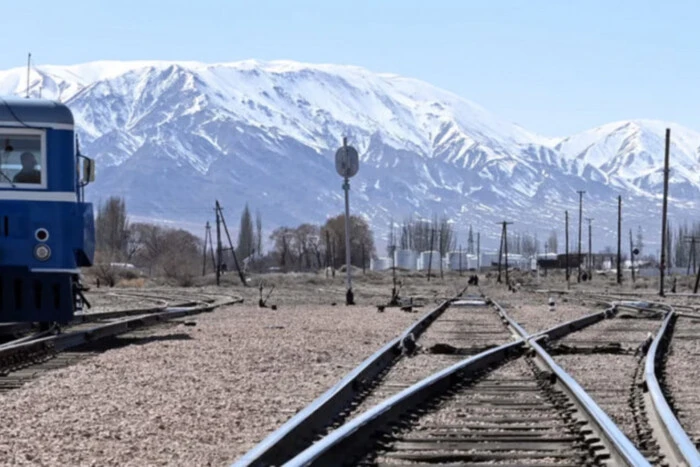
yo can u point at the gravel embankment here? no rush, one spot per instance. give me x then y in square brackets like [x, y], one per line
[195, 395]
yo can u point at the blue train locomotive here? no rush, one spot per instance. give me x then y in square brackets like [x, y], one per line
[47, 230]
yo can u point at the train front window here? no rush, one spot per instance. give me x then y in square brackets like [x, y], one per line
[21, 160]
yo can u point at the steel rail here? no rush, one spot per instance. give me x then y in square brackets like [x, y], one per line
[358, 431]
[64, 341]
[616, 441]
[672, 435]
[287, 440]
[620, 446]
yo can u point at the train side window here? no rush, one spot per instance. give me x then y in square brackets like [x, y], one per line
[22, 160]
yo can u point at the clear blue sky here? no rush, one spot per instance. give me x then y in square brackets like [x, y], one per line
[555, 67]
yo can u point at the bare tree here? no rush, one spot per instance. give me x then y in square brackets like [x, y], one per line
[415, 235]
[281, 237]
[360, 233]
[112, 229]
[304, 235]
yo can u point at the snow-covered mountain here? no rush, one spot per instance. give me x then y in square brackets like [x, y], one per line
[173, 136]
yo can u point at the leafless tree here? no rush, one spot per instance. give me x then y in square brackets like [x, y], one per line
[112, 229]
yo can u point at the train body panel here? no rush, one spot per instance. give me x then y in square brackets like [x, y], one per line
[64, 233]
[47, 231]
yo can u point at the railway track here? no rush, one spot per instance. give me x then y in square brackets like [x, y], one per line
[476, 353]
[608, 360]
[671, 383]
[513, 404]
[467, 327]
[496, 407]
[34, 353]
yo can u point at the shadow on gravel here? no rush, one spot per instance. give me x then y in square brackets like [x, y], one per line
[447, 349]
[122, 341]
[613, 348]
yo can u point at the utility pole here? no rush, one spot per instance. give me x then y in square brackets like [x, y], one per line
[580, 222]
[590, 248]
[218, 245]
[619, 240]
[505, 234]
[211, 249]
[566, 242]
[430, 254]
[503, 249]
[204, 250]
[230, 242]
[500, 257]
[478, 252]
[692, 240]
[634, 279]
[394, 293]
[664, 212]
[460, 260]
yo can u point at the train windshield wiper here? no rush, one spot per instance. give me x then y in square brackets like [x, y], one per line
[7, 178]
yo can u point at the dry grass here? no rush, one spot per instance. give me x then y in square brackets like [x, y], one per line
[139, 283]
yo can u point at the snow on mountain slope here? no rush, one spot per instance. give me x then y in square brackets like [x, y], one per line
[173, 136]
[633, 151]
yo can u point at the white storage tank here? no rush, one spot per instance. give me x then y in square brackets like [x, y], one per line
[489, 259]
[457, 259]
[515, 260]
[380, 264]
[426, 259]
[406, 259]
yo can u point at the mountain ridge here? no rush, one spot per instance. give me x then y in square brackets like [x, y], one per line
[260, 127]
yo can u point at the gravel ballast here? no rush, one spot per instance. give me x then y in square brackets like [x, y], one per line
[191, 395]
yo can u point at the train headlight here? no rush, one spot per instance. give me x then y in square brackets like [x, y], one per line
[41, 234]
[42, 252]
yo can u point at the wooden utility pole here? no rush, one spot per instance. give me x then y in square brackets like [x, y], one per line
[478, 252]
[662, 266]
[566, 242]
[580, 222]
[204, 250]
[230, 242]
[211, 250]
[634, 279]
[500, 257]
[590, 248]
[503, 250]
[430, 254]
[460, 260]
[505, 243]
[218, 245]
[619, 240]
[691, 240]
